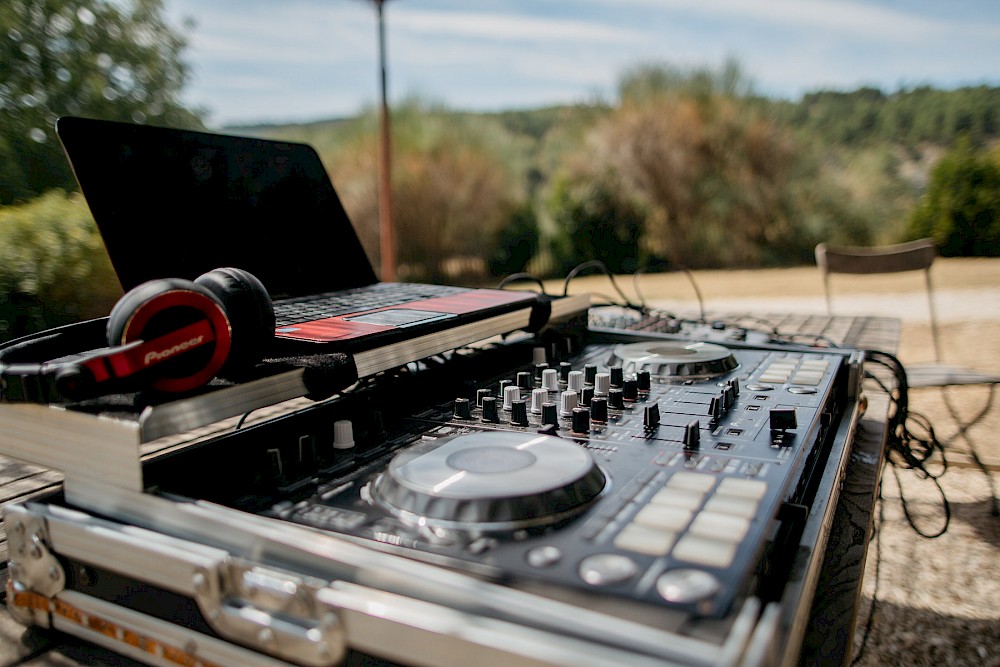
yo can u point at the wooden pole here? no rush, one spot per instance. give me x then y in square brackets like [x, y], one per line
[387, 240]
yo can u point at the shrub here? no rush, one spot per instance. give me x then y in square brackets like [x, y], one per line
[596, 222]
[706, 173]
[53, 266]
[961, 208]
[516, 244]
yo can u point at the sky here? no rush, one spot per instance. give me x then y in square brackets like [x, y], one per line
[255, 61]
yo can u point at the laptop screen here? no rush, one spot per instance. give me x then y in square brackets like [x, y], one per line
[177, 203]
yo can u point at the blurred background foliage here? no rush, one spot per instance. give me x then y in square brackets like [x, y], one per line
[113, 60]
[53, 267]
[684, 168]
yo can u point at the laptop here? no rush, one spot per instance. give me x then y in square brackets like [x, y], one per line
[178, 203]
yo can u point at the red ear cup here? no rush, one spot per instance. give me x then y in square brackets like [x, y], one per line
[185, 329]
[250, 312]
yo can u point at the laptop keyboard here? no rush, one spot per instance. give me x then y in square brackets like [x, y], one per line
[370, 297]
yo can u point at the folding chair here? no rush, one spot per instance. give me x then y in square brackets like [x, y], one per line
[912, 256]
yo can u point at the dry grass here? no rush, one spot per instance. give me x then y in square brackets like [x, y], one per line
[798, 282]
[964, 273]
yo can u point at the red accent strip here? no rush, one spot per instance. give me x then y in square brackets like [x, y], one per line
[158, 350]
[120, 362]
[98, 368]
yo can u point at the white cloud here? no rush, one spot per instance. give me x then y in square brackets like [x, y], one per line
[293, 36]
[846, 17]
[301, 58]
[508, 28]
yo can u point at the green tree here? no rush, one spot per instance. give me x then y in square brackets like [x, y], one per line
[111, 59]
[961, 208]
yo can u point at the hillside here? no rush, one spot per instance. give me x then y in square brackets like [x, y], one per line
[756, 181]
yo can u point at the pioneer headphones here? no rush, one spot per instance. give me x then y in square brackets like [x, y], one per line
[167, 335]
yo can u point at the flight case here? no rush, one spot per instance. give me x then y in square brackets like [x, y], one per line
[565, 497]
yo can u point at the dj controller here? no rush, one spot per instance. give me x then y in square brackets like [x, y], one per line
[671, 473]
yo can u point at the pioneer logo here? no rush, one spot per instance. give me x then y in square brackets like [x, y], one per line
[153, 355]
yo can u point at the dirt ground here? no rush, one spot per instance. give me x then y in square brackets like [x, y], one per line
[937, 599]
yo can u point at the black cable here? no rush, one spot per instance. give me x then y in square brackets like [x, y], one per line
[690, 277]
[516, 277]
[906, 507]
[596, 264]
[239, 424]
[905, 448]
[635, 288]
[697, 293]
[611, 301]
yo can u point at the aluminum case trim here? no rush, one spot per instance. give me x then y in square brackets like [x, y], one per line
[381, 576]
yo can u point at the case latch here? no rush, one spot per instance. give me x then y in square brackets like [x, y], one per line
[32, 565]
[278, 613]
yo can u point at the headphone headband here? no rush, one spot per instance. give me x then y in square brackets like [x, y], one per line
[23, 378]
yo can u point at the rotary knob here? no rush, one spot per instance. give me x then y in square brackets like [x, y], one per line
[599, 409]
[581, 420]
[462, 409]
[615, 398]
[480, 393]
[519, 413]
[602, 383]
[568, 400]
[343, 434]
[644, 380]
[630, 390]
[524, 380]
[510, 394]
[538, 397]
[564, 369]
[550, 379]
[550, 414]
[490, 412]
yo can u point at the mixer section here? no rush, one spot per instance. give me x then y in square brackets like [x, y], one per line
[668, 472]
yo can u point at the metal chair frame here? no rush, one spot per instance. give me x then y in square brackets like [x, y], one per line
[916, 255]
